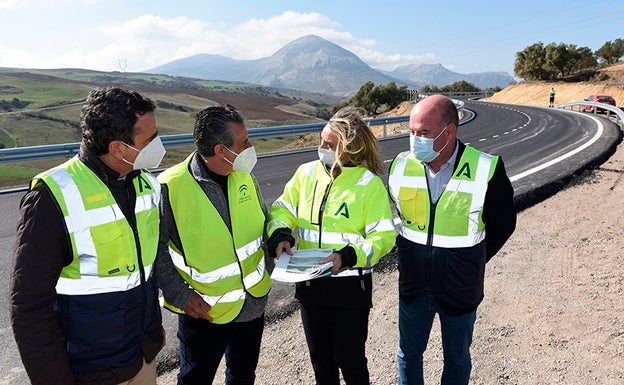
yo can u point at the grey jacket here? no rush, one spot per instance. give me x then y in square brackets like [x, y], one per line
[175, 290]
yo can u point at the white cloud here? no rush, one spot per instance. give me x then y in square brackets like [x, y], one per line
[389, 62]
[148, 41]
[6, 4]
[262, 37]
[16, 58]
[163, 40]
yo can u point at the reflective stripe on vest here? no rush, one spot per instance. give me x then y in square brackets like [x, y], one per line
[222, 266]
[458, 220]
[341, 211]
[218, 274]
[103, 242]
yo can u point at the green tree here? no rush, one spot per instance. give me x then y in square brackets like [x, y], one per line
[618, 49]
[529, 62]
[461, 86]
[610, 52]
[558, 58]
[363, 98]
[583, 59]
[372, 98]
[391, 95]
[429, 89]
[539, 62]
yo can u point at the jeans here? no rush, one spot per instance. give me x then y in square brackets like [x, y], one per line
[203, 344]
[415, 321]
[336, 338]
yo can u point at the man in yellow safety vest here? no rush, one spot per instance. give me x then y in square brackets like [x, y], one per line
[84, 300]
[456, 209]
[215, 218]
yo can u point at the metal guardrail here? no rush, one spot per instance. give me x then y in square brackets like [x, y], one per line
[469, 95]
[18, 154]
[617, 113]
[70, 149]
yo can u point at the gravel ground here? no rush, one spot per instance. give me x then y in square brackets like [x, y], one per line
[553, 311]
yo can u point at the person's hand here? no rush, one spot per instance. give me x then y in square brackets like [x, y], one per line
[283, 246]
[196, 307]
[336, 259]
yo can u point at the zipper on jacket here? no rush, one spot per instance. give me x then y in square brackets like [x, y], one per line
[432, 214]
[143, 278]
[322, 210]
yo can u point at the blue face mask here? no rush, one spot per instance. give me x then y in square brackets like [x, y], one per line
[422, 148]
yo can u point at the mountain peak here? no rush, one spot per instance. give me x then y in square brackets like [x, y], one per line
[311, 63]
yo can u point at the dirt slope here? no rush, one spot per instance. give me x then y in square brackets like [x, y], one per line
[536, 93]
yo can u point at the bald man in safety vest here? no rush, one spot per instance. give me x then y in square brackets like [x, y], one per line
[456, 211]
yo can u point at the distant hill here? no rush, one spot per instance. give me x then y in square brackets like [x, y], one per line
[211, 67]
[313, 64]
[316, 65]
[437, 75]
[309, 64]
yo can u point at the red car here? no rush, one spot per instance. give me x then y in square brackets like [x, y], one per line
[600, 99]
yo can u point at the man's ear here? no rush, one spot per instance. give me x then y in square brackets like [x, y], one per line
[115, 149]
[452, 130]
[219, 149]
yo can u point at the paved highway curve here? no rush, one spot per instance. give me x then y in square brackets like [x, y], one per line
[541, 148]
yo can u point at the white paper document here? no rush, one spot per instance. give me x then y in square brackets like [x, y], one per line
[303, 265]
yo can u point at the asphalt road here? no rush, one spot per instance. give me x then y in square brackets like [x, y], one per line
[541, 149]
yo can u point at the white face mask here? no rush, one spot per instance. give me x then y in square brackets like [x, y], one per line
[245, 161]
[150, 156]
[422, 148]
[326, 156]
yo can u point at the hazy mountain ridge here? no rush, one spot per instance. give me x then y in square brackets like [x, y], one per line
[207, 66]
[437, 75]
[313, 64]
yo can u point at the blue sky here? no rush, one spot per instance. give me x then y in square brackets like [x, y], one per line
[135, 35]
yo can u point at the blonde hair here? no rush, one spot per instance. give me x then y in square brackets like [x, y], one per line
[356, 142]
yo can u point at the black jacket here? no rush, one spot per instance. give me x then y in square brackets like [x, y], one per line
[455, 276]
[42, 249]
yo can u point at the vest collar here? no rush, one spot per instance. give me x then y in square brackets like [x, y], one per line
[108, 175]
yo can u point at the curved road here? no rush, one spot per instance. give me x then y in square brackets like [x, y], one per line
[539, 146]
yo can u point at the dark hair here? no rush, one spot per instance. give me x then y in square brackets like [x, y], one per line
[211, 128]
[110, 114]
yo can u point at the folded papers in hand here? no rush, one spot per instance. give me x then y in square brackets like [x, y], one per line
[303, 265]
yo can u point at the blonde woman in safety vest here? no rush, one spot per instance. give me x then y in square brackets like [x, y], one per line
[215, 217]
[337, 202]
[84, 300]
[456, 209]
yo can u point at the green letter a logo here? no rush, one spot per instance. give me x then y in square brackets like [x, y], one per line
[143, 183]
[465, 171]
[343, 210]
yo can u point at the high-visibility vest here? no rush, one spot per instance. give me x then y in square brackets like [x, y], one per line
[456, 219]
[104, 247]
[352, 209]
[222, 266]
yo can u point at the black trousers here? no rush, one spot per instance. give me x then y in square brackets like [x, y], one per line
[203, 344]
[336, 338]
